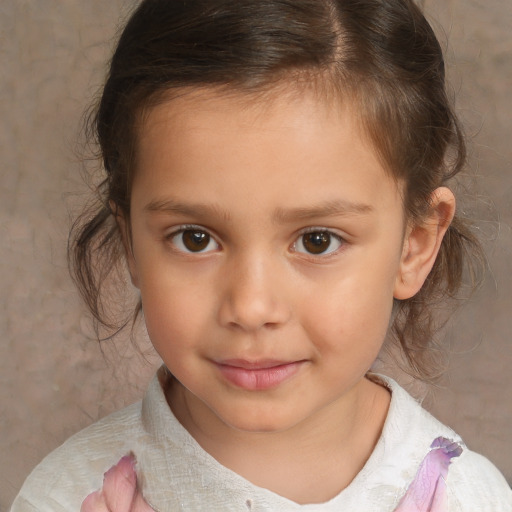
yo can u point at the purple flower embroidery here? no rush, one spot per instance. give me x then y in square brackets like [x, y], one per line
[427, 492]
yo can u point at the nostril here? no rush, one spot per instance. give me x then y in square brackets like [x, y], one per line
[249, 303]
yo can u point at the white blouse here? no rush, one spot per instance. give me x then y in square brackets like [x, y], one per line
[176, 474]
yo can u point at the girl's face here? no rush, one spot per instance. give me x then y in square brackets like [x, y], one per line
[267, 245]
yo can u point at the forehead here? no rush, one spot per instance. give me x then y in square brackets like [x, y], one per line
[299, 107]
[293, 136]
[181, 104]
[324, 97]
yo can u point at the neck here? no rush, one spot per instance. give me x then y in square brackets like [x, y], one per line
[309, 463]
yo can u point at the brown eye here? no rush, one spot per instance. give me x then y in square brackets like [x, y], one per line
[318, 243]
[193, 240]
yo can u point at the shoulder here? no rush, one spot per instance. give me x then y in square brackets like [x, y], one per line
[473, 482]
[476, 484]
[408, 424]
[75, 469]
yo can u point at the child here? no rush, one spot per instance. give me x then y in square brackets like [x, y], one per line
[276, 182]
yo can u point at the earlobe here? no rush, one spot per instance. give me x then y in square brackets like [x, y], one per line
[422, 243]
[123, 225]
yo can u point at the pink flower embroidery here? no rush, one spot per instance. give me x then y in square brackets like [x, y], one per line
[120, 492]
[427, 492]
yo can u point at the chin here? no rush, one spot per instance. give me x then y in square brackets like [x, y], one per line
[260, 422]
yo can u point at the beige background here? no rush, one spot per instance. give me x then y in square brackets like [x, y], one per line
[54, 379]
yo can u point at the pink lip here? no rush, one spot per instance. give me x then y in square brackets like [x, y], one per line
[258, 375]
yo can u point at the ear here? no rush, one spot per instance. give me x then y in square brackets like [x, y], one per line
[123, 224]
[422, 243]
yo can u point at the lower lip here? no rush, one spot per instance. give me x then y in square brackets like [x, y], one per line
[258, 379]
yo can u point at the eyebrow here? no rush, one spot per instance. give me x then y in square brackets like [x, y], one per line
[193, 209]
[335, 208]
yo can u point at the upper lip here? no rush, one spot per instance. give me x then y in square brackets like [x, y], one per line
[261, 364]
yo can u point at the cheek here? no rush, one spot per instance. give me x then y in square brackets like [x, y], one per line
[352, 312]
[172, 311]
[175, 334]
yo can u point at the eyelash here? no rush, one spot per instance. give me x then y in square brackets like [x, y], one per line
[297, 246]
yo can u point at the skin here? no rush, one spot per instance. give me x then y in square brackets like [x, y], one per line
[252, 177]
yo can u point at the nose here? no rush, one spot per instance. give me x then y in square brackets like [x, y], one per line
[253, 295]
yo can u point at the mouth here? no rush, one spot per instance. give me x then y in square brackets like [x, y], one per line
[258, 375]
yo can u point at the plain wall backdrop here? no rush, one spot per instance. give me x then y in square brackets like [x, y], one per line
[55, 379]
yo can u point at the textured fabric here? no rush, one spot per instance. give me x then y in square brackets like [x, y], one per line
[178, 475]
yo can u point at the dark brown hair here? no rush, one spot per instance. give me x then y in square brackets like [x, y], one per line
[382, 54]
